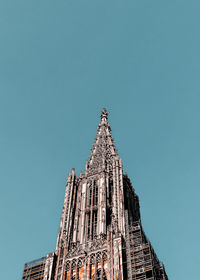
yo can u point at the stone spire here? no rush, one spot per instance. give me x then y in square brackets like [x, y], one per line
[103, 151]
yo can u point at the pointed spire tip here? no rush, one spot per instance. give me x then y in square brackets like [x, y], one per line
[104, 113]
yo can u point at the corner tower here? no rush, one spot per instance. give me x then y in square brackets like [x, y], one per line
[100, 234]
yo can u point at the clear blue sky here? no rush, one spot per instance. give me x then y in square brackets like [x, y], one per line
[60, 63]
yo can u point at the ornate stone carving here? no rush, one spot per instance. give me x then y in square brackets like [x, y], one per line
[103, 150]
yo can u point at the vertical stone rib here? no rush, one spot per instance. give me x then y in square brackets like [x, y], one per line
[91, 211]
[83, 205]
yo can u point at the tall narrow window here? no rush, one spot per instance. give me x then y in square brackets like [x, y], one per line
[110, 190]
[91, 209]
[95, 194]
[88, 225]
[94, 223]
[89, 195]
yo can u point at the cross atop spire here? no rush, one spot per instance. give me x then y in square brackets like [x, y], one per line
[103, 151]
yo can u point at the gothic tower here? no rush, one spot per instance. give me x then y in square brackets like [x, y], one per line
[100, 234]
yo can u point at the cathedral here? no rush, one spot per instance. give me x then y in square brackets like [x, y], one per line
[100, 235]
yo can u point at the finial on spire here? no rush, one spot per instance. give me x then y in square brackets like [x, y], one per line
[104, 114]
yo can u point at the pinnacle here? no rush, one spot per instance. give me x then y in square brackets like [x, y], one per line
[103, 150]
[104, 114]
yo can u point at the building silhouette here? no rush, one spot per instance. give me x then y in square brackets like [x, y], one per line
[100, 234]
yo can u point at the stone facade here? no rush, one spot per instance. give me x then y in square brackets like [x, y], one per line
[100, 234]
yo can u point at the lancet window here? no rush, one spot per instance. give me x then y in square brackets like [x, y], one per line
[89, 195]
[91, 211]
[94, 222]
[95, 193]
[110, 190]
[88, 224]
